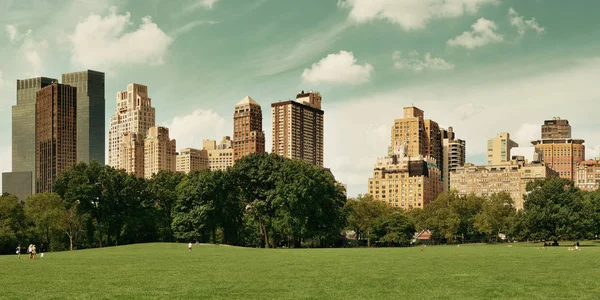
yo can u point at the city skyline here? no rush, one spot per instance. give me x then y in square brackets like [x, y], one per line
[460, 76]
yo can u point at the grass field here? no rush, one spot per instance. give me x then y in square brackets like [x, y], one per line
[168, 271]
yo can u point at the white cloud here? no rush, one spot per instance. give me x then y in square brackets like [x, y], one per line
[523, 25]
[191, 25]
[208, 3]
[527, 133]
[484, 32]
[101, 42]
[190, 130]
[415, 63]
[495, 106]
[410, 14]
[339, 68]
[13, 33]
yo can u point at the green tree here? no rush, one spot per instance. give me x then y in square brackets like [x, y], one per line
[45, 211]
[71, 223]
[13, 223]
[394, 229]
[495, 215]
[163, 190]
[555, 209]
[363, 212]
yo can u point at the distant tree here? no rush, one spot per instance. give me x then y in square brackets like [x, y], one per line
[393, 229]
[163, 190]
[495, 216]
[45, 211]
[441, 218]
[71, 223]
[554, 209]
[13, 223]
[363, 212]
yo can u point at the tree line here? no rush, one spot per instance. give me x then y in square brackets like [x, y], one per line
[263, 201]
[269, 201]
[554, 209]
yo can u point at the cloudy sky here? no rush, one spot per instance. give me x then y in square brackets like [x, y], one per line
[480, 66]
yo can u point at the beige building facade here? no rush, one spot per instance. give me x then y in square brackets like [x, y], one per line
[134, 113]
[421, 137]
[587, 176]
[510, 177]
[498, 149]
[298, 128]
[190, 160]
[131, 156]
[404, 181]
[160, 152]
[220, 156]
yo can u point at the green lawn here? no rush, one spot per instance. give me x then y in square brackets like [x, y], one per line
[168, 271]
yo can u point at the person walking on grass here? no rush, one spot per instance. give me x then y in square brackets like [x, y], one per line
[19, 251]
[29, 249]
[33, 251]
[190, 247]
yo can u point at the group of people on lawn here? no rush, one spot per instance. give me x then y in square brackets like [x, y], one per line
[32, 250]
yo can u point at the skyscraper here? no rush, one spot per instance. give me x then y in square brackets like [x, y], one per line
[190, 160]
[21, 181]
[561, 152]
[298, 128]
[160, 152]
[132, 154]
[248, 135]
[134, 113]
[422, 137]
[220, 157]
[55, 134]
[90, 114]
[454, 154]
[498, 149]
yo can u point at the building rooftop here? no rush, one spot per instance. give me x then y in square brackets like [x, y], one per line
[247, 100]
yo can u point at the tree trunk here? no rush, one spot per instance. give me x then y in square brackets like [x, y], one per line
[70, 242]
[369, 239]
[265, 233]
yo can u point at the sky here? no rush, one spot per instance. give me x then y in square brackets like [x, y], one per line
[479, 66]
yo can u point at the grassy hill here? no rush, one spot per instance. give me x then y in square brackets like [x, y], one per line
[168, 271]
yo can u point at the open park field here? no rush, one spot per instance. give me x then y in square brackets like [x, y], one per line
[168, 271]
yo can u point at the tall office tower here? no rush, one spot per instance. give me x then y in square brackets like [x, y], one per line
[220, 157]
[21, 181]
[90, 114]
[248, 135]
[132, 154]
[498, 149]
[298, 128]
[454, 154]
[556, 129]
[422, 137]
[55, 134]
[160, 152]
[190, 160]
[561, 152]
[135, 114]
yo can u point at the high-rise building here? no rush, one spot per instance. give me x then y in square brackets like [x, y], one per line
[404, 181]
[298, 128]
[248, 135]
[556, 129]
[422, 137]
[561, 152]
[21, 181]
[160, 152]
[90, 114]
[498, 149]
[220, 157]
[454, 154]
[132, 154]
[135, 114]
[190, 160]
[510, 177]
[55, 133]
